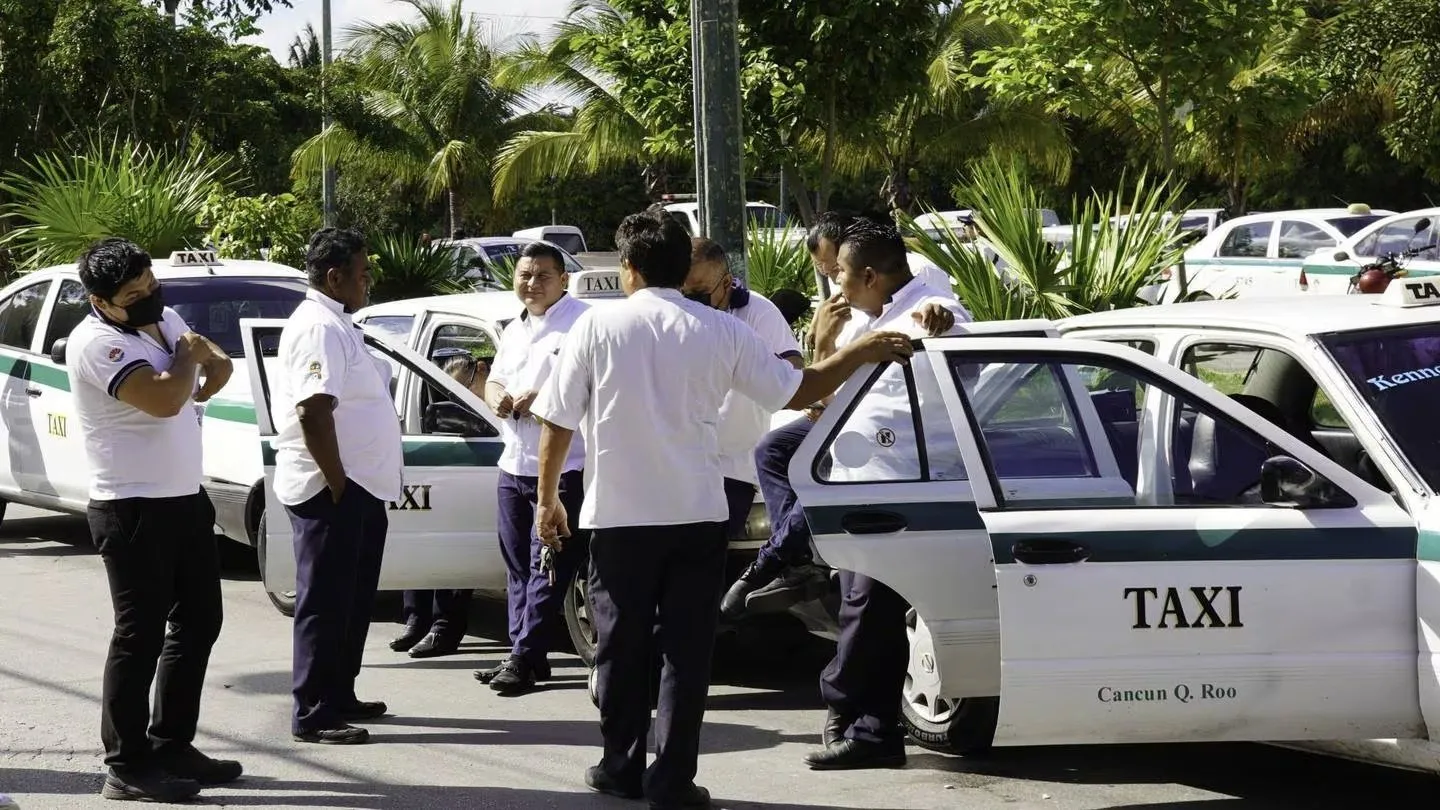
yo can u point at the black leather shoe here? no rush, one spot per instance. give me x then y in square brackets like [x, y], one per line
[408, 639]
[185, 762]
[148, 786]
[847, 755]
[364, 710]
[434, 644]
[601, 782]
[796, 584]
[540, 671]
[344, 735]
[834, 729]
[755, 576]
[696, 798]
[515, 677]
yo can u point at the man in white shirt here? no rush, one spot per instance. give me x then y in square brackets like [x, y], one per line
[644, 381]
[133, 368]
[337, 462]
[862, 685]
[743, 421]
[824, 245]
[528, 351]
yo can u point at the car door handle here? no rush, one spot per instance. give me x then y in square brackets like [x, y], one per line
[872, 522]
[1049, 551]
[33, 392]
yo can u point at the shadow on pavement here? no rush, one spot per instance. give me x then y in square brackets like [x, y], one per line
[55, 535]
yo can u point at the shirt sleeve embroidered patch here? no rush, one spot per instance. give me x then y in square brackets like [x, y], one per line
[116, 354]
[314, 370]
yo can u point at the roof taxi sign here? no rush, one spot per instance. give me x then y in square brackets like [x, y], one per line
[1423, 291]
[194, 258]
[596, 284]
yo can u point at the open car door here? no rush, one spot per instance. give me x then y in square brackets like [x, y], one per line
[443, 528]
[1168, 565]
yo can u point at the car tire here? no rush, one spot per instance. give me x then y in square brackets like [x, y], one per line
[593, 687]
[963, 726]
[284, 601]
[1200, 296]
[578, 614]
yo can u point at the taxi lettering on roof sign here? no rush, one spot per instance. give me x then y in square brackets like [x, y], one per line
[597, 284]
[194, 258]
[1411, 292]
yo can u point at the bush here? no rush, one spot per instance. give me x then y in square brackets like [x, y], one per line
[405, 268]
[239, 226]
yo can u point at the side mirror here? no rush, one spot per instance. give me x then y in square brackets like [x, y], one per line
[1341, 255]
[1423, 225]
[1286, 482]
[57, 351]
[452, 419]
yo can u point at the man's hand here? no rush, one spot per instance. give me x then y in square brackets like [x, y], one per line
[934, 319]
[814, 412]
[522, 403]
[551, 523]
[337, 491]
[881, 347]
[830, 318]
[502, 405]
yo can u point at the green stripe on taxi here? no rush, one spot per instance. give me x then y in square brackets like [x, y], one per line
[431, 453]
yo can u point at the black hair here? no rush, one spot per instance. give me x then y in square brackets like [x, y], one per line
[331, 248]
[792, 304]
[545, 250]
[657, 246]
[466, 363]
[829, 225]
[707, 250]
[110, 264]
[877, 244]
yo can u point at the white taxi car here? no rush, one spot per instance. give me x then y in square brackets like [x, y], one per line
[46, 466]
[1102, 548]
[1329, 271]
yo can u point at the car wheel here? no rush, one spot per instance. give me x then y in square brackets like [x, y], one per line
[1200, 296]
[578, 616]
[284, 601]
[947, 725]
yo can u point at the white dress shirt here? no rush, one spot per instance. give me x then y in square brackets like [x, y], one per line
[322, 351]
[644, 380]
[930, 273]
[881, 428]
[529, 349]
[743, 421]
[131, 453]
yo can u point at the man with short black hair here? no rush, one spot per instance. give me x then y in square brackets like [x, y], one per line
[645, 379]
[337, 462]
[134, 364]
[823, 243]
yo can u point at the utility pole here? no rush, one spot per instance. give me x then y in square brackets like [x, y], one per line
[327, 178]
[719, 138]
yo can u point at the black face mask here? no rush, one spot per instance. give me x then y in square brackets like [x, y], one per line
[147, 311]
[699, 297]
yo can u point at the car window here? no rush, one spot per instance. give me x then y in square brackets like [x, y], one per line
[439, 415]
[20, 315]
[897, 430]
[72, 304]
[1251, 241]
[1300, 239]
[1323, 413]
[1222, 366]
[1398, 237]
[395, 327]
[472, 339]
[214, 306]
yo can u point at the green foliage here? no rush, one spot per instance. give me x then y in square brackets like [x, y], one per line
[773, 262]
[405, 268]
[240, 226]
[60, 203]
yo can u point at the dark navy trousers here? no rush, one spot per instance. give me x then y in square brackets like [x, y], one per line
[865, 680]
[338, 551]
[445, 612]
[789, 541]
[655, 588]
[740, 496]
[535, 605]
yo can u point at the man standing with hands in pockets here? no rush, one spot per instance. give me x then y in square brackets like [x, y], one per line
[644, 380]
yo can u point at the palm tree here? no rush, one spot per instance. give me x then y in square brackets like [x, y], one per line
[602, 133]
[305, 49]
[427, 87]
[947, 121]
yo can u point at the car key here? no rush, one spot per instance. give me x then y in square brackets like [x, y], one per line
[547, 563]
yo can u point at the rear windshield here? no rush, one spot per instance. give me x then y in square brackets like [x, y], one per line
[213, 306]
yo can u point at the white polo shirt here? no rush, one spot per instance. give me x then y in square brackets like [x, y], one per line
[131, 453]
[529, 348]
[882, 420]
[322, 351]
[930, 273]
[644, 381]
[743, 421]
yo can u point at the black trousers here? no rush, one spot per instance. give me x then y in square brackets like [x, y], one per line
[446, 613]
[163, 567]
[338, 551]
[655, 587]
[865, 680]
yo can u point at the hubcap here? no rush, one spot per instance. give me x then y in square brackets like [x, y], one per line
[922, 677]
[582, 609]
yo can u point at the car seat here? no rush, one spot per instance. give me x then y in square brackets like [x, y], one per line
[1225, 462]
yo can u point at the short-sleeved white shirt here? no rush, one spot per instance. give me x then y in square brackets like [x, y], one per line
[644, 380]
[883, 418]
[930, 273]
[743, 421]
[131, 453]
[529, 349]
[322, 351]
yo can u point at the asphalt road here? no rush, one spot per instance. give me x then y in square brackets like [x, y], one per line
[453, 744]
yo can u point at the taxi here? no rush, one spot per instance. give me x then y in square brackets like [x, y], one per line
[1210, 521]
[444, 528]
[46, 466]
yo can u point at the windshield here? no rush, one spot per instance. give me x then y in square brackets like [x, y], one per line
[764, 216]
[1352, 225]
[213, 306]
[1194, 223]
[1397, 372]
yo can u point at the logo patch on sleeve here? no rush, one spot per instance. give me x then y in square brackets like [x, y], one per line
[116, 354]
[314, 370]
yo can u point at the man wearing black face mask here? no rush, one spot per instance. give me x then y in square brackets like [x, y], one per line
[134, 365]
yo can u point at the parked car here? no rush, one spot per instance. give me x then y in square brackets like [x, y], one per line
[485, 260]
[1328, 271]
[567, 237]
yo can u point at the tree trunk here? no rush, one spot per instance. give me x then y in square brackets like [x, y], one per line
[800, 193]
[172, 7]
[453, 201]
[827, 158]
